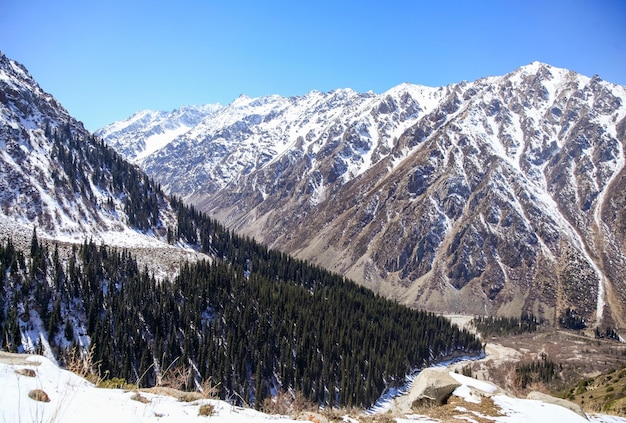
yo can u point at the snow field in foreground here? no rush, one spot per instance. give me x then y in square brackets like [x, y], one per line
[73, 399]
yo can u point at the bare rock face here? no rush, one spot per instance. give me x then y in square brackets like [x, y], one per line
[495, 196]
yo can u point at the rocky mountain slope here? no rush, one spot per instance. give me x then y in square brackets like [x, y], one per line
[237, 318]
[55, 176]
[493, 196]
[147, 131]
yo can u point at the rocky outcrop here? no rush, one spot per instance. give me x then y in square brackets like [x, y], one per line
[433, 386]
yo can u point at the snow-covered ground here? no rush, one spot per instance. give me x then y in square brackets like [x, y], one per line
[73, 399]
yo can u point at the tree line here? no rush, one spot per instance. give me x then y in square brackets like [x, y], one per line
[502, 326]
[329, 338]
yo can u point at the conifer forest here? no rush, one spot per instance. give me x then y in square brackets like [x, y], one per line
[252, 320]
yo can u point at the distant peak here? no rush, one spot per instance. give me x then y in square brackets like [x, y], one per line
[140, 114]
[343, 91]
[404, 86]
[534, 67]
[541, 70]
[206, 108]
[400, 88]
[241, 100]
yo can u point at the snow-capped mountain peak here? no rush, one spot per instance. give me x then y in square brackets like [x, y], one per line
[147, 131]
[429, 194]
[56, 177]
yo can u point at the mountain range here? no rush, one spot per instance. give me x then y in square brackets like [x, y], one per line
[497, 196]
[98, 265]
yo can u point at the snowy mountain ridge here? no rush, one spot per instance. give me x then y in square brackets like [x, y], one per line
[283, 118]
[251, 133]
[467, 198]
[147, 131]
[47, 183]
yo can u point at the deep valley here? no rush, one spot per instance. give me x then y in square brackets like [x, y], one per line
[310, 247]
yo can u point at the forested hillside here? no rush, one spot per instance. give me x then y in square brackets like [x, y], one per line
[270, 323]
[252, 320]
[89, 165]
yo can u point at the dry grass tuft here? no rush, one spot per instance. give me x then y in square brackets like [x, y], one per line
[179, 382]
[378, 418]
[287, 404]
[334, 414]
[181, 396]
[206, 410]
[208, 389]
[116, 383]
[189, 396]
[179, 378]
[458, 409]
[83, 365]
[140, 398]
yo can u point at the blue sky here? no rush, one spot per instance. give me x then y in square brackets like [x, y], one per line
[105, 60]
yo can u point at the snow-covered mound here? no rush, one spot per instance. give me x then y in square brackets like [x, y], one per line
[73, 399]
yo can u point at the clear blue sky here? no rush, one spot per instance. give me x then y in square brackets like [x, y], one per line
[105, 60]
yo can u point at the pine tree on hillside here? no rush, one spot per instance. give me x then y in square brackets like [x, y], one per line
[287, 323]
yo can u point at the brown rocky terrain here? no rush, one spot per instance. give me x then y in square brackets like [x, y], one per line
[494, 197]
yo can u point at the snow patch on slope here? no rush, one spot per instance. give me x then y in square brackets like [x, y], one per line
[73, 399]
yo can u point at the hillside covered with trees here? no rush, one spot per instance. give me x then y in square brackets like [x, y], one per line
[253, 326]
[252, 320]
